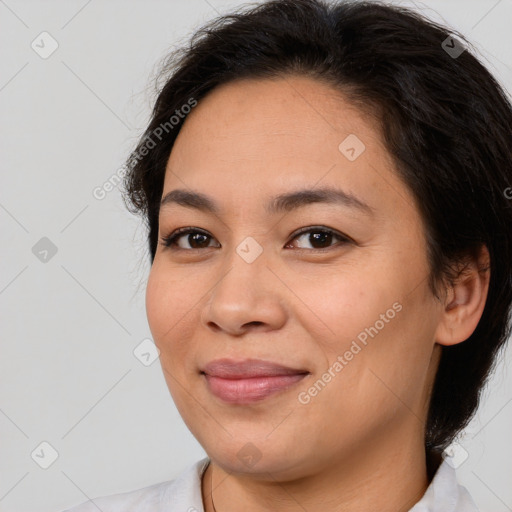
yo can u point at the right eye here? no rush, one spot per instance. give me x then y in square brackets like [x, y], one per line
[196, 239]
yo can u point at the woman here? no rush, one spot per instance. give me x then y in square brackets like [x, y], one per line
[327, 195]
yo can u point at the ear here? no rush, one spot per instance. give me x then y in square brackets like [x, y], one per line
[465, 301]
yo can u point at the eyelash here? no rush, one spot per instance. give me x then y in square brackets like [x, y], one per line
[169, 241]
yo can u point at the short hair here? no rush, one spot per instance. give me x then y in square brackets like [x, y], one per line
[445, 120]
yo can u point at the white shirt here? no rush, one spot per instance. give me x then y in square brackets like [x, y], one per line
[183, 494]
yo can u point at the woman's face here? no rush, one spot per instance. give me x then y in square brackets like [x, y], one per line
[345, 304]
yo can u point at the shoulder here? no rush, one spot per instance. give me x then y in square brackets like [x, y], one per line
[164, 496]
[146, 498]
[445, 493]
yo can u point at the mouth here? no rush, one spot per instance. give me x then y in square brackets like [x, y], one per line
[249, 381]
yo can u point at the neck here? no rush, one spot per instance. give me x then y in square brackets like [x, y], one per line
[367, 478]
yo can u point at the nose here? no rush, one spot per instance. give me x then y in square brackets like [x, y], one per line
[247, 297]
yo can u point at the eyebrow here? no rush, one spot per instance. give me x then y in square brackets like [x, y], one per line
[280, 203]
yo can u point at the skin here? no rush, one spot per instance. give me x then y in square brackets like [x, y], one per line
[359, 442]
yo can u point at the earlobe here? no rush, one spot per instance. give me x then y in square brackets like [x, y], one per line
[465, 301]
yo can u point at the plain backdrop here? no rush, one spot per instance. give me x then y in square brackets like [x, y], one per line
[73, 267]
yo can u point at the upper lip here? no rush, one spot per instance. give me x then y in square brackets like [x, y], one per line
[247, 368]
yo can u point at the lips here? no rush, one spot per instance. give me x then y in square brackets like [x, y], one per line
[231, 369]
[247, 381]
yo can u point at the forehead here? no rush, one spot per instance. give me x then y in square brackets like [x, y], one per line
[262, 136]
[290, 112]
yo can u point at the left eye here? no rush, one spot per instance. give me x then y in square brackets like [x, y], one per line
[320, 238]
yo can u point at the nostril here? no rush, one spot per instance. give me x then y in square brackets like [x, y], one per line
[253, 323]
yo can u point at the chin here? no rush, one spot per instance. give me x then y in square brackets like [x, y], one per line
[245, 457]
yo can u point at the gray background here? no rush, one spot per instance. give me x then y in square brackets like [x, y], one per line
[70, 324]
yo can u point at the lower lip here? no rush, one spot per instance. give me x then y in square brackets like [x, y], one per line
[255, 389]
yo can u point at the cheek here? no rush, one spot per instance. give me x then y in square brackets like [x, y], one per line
[372, 323]
[335, 309]
[172, 304]
[383, 348]
[169, 302]
[156, 305]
